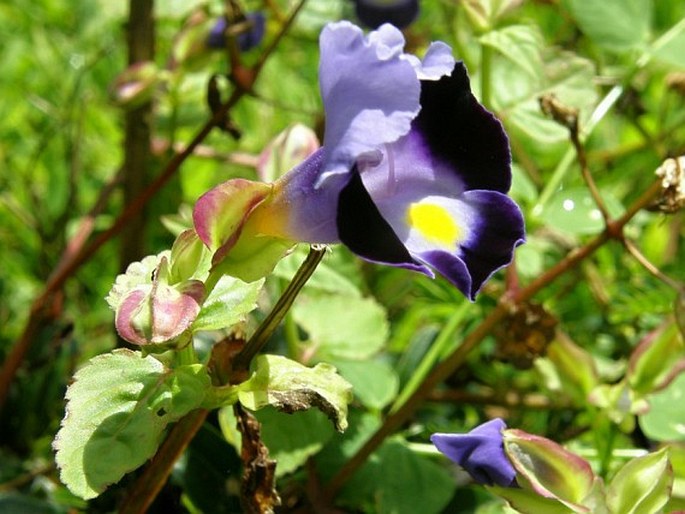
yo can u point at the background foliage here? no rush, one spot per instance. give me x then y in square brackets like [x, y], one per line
[558, 367]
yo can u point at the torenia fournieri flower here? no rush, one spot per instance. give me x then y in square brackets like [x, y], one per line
[374, 13]
[480, 453]
[413, 171]
[247, 39]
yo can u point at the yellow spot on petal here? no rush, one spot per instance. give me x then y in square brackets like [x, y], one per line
[434, 223]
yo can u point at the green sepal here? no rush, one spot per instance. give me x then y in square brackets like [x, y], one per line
[548, 469]
[288, 149]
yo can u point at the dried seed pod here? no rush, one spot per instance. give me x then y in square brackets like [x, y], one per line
[672, 174]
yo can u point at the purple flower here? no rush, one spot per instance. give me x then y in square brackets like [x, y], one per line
[480, 453]
[374, 13]
[247, 39]
[413, 171]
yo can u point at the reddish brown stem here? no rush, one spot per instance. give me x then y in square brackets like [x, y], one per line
[148, 485]
[137, 121]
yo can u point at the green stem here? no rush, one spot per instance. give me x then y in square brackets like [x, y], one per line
[271, 322]
[605, 437]
[439, 347]
[186, 351]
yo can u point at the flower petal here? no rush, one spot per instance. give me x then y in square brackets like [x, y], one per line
[463, 134]
[496, 229]
[363, 229]
[436, 63]
[370, 92]
[480, 453]
[373, 13]
[297, 209]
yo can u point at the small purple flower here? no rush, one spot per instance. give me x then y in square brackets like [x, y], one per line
[247, 39]
[413, 171]
[374, 13]
[480, 453]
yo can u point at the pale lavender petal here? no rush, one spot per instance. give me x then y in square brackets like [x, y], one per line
[370, 92]
[300, 211]
[436, 63]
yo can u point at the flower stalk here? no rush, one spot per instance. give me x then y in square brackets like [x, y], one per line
[274, 318]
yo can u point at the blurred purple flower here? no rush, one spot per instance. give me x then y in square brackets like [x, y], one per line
[247, 39]
[480, 453]
[413, 171]
[374, 13]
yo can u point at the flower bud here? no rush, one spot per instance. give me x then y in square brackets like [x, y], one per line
[656, 360]
[547, 468]
[480, 453]
[158, 312]
[189, 258]
[285, 151]
[136, 84]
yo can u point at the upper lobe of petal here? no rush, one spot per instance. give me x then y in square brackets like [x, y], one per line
[370, 92]
[464, 134]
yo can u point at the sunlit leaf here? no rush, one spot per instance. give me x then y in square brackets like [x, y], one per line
[118, 407]
[228, 303]
[573, 210]
[342, 326]
[663, 422]
[289, 386]
[521, 44]
[375, 382]
[617, 25]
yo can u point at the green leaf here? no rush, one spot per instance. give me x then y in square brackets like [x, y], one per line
[641, 485]
[516, 94]
[228, 303]
[342, 327]
[289, 386]
[616, 25]
[375, 383]
[119, 405]
[520, 44]
[574, 211]
[662, 422]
